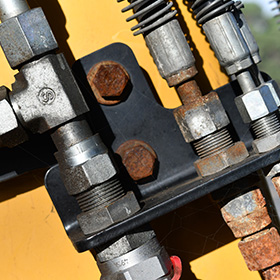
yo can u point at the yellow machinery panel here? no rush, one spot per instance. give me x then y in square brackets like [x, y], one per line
[32, 239]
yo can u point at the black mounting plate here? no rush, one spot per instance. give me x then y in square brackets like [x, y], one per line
[141, 117]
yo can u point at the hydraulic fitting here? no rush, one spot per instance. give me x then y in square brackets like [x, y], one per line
[201, 118]
[91, 177]
[237, 51]
[25, 36]
[46, 95]
[203, 122]
[137, 255]
[164, 38]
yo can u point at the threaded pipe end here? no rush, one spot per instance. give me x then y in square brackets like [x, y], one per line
[101, 195]
[213, 143]
[266, 126]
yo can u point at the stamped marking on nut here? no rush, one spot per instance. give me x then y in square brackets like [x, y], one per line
[108, 79]
[46, 96]
[139, 159]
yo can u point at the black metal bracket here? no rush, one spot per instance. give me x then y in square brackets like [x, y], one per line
[141, 117]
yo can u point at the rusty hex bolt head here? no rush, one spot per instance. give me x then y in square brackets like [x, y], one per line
[139, 158]
[108, 80]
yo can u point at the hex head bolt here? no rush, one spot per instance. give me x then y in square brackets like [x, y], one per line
[108, 80]
[139, 158]
[203, 121]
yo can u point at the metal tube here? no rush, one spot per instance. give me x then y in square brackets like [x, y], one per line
[246, 81]
[12, 8]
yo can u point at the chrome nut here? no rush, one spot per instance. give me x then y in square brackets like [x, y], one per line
[93, 172]
[258, 103]
[98, 219]
[201, 118]
[11, 132]
[266, 144]
[26, 36]
[46, 95]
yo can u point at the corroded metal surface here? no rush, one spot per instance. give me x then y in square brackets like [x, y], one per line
[250, 224]
[261, 250]
[243, 205]
[272, 273]
[181, 76]
[139, 158]
[220, 161]
[108, 79]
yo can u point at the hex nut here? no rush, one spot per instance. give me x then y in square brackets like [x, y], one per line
[98, 219]
[202, 117]
[243, 205]
[222, 160]
[11, 132]
[108, 80]
[250, 224]
[258, 103]
[46, 95]
[26, 36]
[93, 172]
[266, 144]
[261, 250]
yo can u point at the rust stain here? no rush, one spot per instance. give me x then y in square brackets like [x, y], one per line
[181, 76]
[108, 79]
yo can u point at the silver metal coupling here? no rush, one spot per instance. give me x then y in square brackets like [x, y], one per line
[137, 256]
[26, 35]
[164, 38]
[90, 175]
[237, 51]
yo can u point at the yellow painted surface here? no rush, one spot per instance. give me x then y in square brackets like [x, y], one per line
[223, 264]
[32, 239]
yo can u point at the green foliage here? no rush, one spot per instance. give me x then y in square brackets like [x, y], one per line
[267, 34]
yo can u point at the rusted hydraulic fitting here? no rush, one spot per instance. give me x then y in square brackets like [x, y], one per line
[247, 217]
[108, 80]
[139, 158]
[203, 121]
[261, 250]
[246, 214]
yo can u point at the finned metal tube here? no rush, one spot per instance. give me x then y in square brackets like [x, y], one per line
[12, 8]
